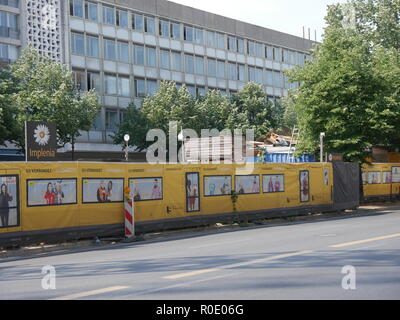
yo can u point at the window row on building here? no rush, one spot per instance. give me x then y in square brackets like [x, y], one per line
[175, 30]
[125, 86]
[114, 84]
[121, 85]
[175, 61]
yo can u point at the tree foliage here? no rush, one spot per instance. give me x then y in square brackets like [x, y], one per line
[9, 129]
[350, 90]
[249, 109]
[46, 92]
[43, 90]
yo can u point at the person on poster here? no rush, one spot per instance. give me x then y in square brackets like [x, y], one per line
[49, 195]
[5, 199]
[136, 193]
[188, 186]
[193, 197]
[211, 187]
[102, 192]
[241, 189]
[305, 186]
[326, 176]
[109, 191]
[58, 193]
[277, 184]
[225, 187]
[156, 192]
[270, 185]
[255, 188]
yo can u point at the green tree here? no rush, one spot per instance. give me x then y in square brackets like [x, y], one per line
[136, 125]
[289, 118]
[214, 110]
[278, 112]
[45, 92]
[9, 129]
[350, 90]
[251, 109]
[168, 104]
[379, 21]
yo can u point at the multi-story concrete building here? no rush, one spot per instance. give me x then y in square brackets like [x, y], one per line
[124, 48]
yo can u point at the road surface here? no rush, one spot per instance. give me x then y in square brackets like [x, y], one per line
[290, 261]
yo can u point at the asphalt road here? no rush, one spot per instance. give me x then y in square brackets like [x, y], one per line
[291, 261]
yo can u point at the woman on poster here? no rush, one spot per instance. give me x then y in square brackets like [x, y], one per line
[156, 193]
[255, 188]
[102, 192]
[49, 195]
[305, 187]
[5, 198]
[225, 187]
[277, 184]
[193, 198]
[109, 191]
[270, 185]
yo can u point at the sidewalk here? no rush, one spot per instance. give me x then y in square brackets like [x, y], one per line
[91, 244]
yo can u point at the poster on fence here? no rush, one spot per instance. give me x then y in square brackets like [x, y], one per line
[387, 177]
[145, 189]
[374, 177]
[192, 192]
[273, 183]
[247, 184]
[365, 178]
[396, 174]
[326, 176]
[217, 185]
[102, 190]
[304, 186]
[51, 192]
[9, 211]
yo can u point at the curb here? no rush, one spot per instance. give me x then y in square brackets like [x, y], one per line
[32, 251]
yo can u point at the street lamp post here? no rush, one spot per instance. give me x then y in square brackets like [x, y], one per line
[126, 139]
[321, 138]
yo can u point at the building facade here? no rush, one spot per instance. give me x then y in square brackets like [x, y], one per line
[125, 48]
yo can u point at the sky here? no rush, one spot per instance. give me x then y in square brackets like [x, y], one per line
[288, 16]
